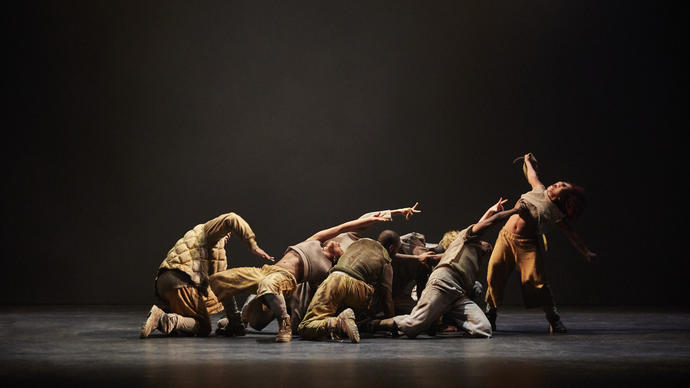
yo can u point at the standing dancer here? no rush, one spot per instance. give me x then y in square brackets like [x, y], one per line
[518, 245]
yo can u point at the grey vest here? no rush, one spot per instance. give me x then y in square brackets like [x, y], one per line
[316, 264]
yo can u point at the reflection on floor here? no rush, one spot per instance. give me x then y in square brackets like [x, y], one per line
[99, 346]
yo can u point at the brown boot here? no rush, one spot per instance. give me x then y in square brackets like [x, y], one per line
[346, 324]
[284, 330]
[151, 323]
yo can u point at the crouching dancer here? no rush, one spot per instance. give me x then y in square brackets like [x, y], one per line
[308, 261]
[363, 269]
[446, 292]
[257, 315]
[182, 281]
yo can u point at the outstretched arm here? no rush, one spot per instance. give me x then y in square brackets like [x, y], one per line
[531, 173]
[485, 223]
[406, 211]
[349, 226]
[577, 241]
[426, 258]
[498, 207]
[220, 226]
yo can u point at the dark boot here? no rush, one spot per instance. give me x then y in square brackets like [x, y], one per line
[235, 327]
[555, 324]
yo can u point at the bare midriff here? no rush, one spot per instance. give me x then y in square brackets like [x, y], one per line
[516, 224]
[292, 262]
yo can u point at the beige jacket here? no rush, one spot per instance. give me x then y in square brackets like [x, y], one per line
[201, 251]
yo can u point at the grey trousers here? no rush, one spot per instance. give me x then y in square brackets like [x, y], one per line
[443, 296]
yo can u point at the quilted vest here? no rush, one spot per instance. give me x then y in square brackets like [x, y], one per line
[192, 256]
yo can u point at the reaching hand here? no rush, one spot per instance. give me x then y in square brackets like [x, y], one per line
[410, 211]
[427, 257]
[529, 158]
[498, 207]
[591, 257]
[260, 252]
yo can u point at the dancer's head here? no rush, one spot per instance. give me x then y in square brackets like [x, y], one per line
[390, 240]
[333, 251]
[448, 238]
[568, 197]
[483, 248]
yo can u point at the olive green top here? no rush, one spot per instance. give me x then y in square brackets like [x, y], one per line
[365, 260]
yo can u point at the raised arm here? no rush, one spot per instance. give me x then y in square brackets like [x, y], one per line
[349, 226]
[577, 241]
[531, 173]
[220, 226]
[494, 209]
[406, 211]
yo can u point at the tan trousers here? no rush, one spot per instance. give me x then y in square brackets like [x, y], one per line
[524, 254]
[339, 290]
[189, 303]
[268, 279]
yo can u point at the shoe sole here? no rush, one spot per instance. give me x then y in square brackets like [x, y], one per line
[151, 322]
[347, 317]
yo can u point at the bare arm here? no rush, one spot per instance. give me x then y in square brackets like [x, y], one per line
[423, 259]
[349, 226]
[531, 173]
[494, 209]
[485, 224]
[577, 241]
[407, 211]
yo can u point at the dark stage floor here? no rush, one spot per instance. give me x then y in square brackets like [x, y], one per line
[99, 346]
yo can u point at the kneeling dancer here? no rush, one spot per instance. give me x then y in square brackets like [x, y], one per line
[363, 269]
[182, 280]
[452, 281]
[308, 261]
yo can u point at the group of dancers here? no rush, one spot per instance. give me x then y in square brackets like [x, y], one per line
[337, 283]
